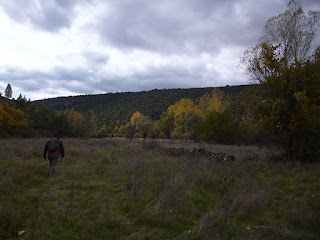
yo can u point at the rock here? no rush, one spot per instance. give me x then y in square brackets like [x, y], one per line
[201, 152]
[229, 158]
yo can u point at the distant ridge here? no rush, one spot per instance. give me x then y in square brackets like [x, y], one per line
[117, 108]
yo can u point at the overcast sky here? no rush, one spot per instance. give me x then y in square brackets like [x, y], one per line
[51, 48]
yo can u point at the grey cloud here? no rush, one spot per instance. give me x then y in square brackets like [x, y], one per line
[66, 4]
[49, 15]
[96, 58]
[76, 81]
[52, 19]
[172, 77]
[162, 26]
[66, 74]
[146, 25]
[84, 80]
[28, 80]
[17, 73]
[311, 5]
[188, 26]
[184, 26]
[80, 80]
[160, 77]
[34, 80]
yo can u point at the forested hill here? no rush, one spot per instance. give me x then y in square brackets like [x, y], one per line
[118, 107]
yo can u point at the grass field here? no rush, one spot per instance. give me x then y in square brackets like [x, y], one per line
[117, 189]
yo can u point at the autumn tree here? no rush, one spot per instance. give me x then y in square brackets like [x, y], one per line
[79, 125]
[135, 116]
[11, 119]
[183, 106]
[186, 125]
[187, 117]
[115, 131]
[122, 130]
[218, 124]
[286, 64]
[215, 101]
[102, 132]
[166, 124]
[156, 130]
[142, 124]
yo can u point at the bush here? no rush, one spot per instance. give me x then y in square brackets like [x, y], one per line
[218, 127]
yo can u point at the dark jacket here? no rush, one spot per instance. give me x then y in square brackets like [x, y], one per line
[60, 149]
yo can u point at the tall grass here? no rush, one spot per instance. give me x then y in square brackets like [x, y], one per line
[121, 189]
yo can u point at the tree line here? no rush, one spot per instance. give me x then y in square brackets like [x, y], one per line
[213, 119]
[116, 108]
[23, 118]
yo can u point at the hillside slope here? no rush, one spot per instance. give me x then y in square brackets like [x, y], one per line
[118, 107]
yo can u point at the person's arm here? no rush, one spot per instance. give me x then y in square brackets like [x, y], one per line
[61, 149]
[45, 151]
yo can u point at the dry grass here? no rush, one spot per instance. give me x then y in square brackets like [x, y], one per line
[210, 225]
[117, 189]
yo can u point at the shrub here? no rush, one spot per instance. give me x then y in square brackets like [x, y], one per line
[219, 128]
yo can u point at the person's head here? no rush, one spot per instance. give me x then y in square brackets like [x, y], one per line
[57, 135]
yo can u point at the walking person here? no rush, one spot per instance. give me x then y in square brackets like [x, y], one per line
[54, 147]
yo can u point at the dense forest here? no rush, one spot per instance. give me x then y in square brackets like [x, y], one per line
[117, 108]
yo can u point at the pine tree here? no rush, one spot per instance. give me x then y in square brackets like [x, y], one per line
[20, 97]
[8, 91]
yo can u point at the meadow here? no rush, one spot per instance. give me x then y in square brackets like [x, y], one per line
[113, 188]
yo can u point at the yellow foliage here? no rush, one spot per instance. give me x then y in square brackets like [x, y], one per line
[212, 102]
[11, 118]
[185, 105]
[134, 116]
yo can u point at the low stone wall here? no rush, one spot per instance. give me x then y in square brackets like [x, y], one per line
[220, 157]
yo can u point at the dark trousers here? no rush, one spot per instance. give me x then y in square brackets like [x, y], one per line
[53, 158]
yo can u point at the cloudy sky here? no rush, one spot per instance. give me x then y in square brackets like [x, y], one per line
[52, 48]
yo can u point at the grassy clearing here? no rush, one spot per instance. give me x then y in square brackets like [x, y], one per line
[117, 189]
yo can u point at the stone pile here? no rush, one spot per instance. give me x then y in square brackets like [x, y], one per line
[220, 157]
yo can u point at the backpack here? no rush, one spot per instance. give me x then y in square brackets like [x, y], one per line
[53, 144]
